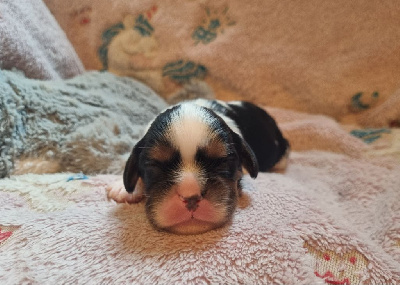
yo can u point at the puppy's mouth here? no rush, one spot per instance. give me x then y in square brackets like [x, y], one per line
[193, 215]
[192, 226]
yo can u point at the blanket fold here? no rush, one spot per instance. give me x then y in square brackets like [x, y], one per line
[31, 40]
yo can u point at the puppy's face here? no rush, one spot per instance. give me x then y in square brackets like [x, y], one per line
[190, 163]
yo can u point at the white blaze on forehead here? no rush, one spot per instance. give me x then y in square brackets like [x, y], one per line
[190, 130]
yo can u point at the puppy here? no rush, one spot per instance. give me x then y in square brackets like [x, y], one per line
[189, 164]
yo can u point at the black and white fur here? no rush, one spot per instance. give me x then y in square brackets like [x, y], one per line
[189, 164]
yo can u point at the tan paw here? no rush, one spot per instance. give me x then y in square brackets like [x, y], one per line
[116, 191]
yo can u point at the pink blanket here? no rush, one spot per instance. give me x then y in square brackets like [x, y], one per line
[332, 217]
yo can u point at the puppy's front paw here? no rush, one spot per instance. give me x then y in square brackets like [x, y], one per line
[117, 192]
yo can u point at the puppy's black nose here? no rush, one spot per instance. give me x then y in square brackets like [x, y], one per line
[192, 202]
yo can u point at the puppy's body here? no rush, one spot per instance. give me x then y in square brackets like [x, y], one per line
[189, 163]
[256, 127]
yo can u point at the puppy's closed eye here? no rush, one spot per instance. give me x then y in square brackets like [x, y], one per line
[161, 171]
[225, 166]
[163, 164]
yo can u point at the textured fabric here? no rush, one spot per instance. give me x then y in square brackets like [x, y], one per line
[338, 58]
[89, 123]
[292, 226]
[32, 41]
[331, 218]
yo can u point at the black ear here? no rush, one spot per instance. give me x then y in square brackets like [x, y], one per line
[131, 172]
[246, 154]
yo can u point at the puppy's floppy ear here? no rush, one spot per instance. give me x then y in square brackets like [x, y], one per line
[246, 154]
[131, 172]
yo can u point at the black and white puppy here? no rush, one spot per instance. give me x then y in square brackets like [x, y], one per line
[189, 163]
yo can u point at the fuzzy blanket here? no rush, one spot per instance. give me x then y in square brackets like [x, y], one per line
[333, 217]
[31, 40]
[89, 123]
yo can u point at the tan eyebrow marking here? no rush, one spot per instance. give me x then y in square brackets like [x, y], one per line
[216, 148]
[162, 152]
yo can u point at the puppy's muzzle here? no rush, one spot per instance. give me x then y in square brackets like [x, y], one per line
[189, 191]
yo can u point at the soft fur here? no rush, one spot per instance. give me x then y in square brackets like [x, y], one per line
[189, 163]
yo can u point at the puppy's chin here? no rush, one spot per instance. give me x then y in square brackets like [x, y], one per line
[172, 215]
[192, 227]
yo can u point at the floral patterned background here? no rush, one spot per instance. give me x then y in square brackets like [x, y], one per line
[319, 57]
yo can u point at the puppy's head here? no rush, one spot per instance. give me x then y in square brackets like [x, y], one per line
[190, 163]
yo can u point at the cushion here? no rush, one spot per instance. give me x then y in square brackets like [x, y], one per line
[32, 41]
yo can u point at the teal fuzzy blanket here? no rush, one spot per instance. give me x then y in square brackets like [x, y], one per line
[86, 124]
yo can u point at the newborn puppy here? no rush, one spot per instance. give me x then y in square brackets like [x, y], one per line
[189, 163]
